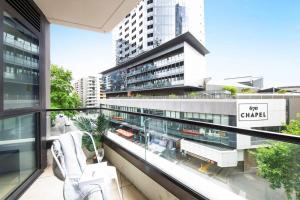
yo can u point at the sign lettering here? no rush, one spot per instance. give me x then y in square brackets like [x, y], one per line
[253, 111]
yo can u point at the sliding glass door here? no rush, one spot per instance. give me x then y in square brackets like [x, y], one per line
[21, 96]
[18, 158]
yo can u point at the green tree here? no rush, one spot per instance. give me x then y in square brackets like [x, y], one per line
[193, 94]
[232, 89]
[293, 127]
[62, 94]
[247, 91]
[281, 91]
[280, 163]
[172, 96]
[138, 95]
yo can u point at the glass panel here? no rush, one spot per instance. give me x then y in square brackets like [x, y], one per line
[208, 160]
[17, 151]
[189, 115]
[21, 65]
[224, 120]
[61, 122]
[217, 119]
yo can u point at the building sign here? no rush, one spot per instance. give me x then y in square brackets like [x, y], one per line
[253, 111]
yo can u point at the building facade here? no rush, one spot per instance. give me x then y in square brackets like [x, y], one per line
[23, 93]
[225, 149]
[153, 22]
[88, 89]
[177, 65]
[173, 64]
[102, 94]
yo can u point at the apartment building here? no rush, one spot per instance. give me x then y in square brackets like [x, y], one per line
[88, 89]
[176, 66]
[102, 94]
[153, 22]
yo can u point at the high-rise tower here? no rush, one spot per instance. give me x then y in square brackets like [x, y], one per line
[153, 22]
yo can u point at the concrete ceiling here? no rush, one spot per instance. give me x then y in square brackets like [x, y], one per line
[96, 15]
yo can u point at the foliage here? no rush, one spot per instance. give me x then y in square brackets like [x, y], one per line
[172, 95]
[101, 124]
[282, 91]
[193, 94]
[84, 124]
[280, 163]
[293, 127]
[96, 127]
[88, 144]
[62, 92]
[232, 89]
[247, 91]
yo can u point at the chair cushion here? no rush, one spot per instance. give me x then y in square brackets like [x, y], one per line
[72, 191]
[73, 168]
[77, 139]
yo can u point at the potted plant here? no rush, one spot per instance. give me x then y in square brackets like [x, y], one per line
[97, 129]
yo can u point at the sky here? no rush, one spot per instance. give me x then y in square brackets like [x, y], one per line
[244, 37]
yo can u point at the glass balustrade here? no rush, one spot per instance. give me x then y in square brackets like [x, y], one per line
[204, 159]
[209, 159]
[10, 40]
[157, 75]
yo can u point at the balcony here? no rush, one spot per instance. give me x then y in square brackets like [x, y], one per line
[159, 74]
[40, 189]
[32, 64]
[30, 48]
[21, 79]
[186, 159]
[157, 155]
[159, 84]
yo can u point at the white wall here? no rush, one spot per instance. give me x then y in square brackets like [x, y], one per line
[225, 158]
[196, 22]
[213, 106]
[243, 141]
[194, 67]
[276, 112]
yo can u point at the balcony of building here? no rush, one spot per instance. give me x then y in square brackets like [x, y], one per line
[158, 154]
[40, 188]
[179, 158]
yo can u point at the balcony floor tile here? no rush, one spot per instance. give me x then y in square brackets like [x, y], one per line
[48, 187]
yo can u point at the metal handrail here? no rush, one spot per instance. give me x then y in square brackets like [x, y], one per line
[250, 132]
